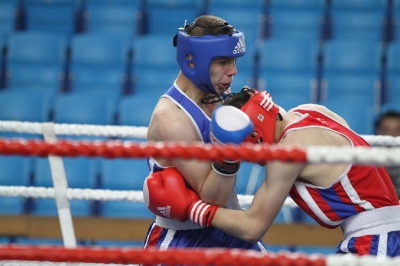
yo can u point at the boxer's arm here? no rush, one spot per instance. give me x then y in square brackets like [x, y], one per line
[169, 123]
[251, 225]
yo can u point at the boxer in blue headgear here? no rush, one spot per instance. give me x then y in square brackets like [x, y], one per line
[195, 53]
[207, 51]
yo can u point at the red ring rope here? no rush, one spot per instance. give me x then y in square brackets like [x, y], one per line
[117, 149]
[215, 256]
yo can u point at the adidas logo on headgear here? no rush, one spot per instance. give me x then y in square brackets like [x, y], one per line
[239, 48]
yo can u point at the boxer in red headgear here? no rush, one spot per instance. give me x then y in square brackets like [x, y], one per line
[361, 199]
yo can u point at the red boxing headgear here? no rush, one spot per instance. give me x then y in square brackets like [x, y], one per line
[263, 113]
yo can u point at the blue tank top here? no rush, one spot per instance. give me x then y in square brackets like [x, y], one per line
[199, 119]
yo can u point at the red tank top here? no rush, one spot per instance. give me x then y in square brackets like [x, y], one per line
[359, 188]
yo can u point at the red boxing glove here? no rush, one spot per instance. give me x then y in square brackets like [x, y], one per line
[166, 194]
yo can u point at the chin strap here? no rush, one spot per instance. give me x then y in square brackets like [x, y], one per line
[215, 98]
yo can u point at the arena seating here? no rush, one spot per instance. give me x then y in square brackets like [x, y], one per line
[124, 174]
[24, 106]
[165, 17]
[8, 13]
[154, 70]
[113, 17]
[15, 171]
[98, 63]
[84, 108]
[80, 172]
[35, 61]
[249, 178]
[53, 16]
[307, 22]
[131, 111]
[107, 62]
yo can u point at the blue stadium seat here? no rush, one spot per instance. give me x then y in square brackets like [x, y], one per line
[3, 41]
[289, 101]
[15, 171]
[340, 86]
[352, 55]
[146, 85]
[80, 173]
[165, 17]
[38, 241]
[84, 108]
[348, 62]
[51, 16]
[114, 17]
[35, 61]
[30, 78]
[136, 110]
[287, 65]
[296, 85]
[249, 178]
[316, 250]
[284, 54]
[4, 240]
[287, 215]
[37, 47]
[25, 107]
[305, 218]
[245, 76]
[393, 53]
[124, 174]
[390, 106]
[163, 57]
[118, 244]
[296, 21]
[394, 89]
[31, 107]
[360, 5]
[8, 15]
[356, 23]
[98, 63]
[356, 112]
[278, 248]
[299, 4]
[151, 63]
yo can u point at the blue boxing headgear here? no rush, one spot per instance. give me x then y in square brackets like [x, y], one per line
[203, 49]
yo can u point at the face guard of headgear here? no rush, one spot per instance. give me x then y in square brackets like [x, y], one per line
[203, 49]
[263, 112]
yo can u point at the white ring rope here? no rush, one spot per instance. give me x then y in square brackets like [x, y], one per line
[76, 129]
[97, 194]
[358, 155]
[133, 131]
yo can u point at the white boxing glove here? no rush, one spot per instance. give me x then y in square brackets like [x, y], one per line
[229, 125]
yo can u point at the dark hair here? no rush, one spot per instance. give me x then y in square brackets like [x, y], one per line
[389, 114]
[209, 25]
[239, 99]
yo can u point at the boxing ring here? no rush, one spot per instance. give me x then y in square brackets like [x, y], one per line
[385, 151]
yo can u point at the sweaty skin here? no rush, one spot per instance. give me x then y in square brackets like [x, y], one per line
[252, 225]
